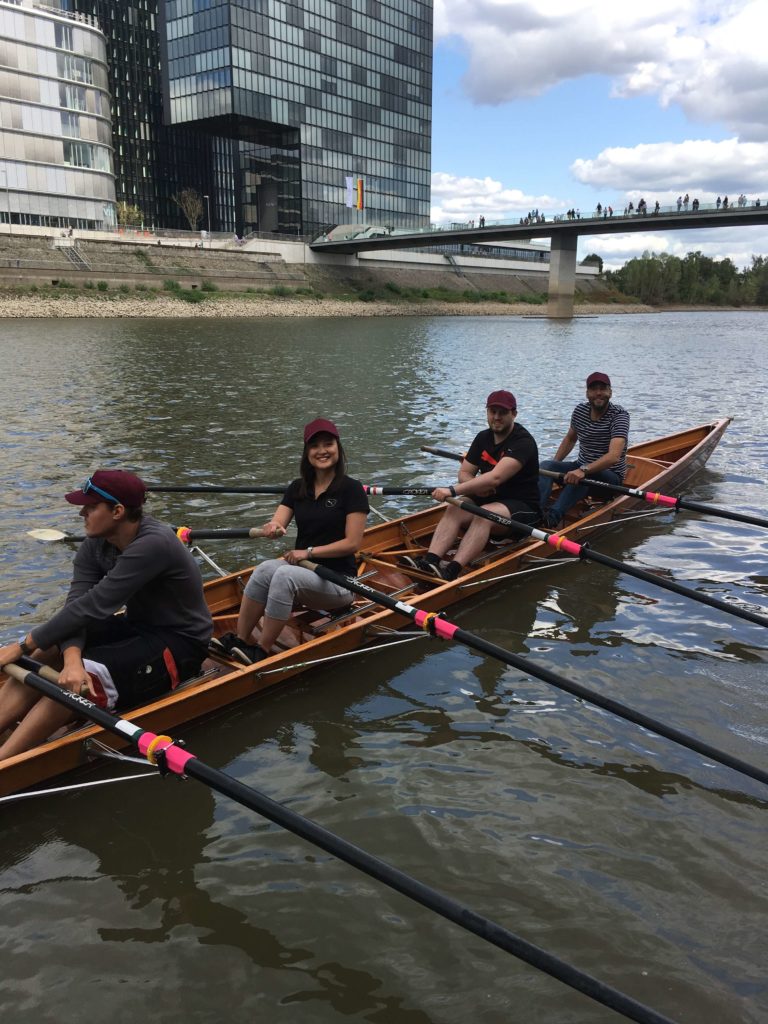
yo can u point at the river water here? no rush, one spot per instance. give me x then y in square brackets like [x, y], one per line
[622, 853]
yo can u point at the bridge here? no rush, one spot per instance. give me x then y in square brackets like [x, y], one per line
[564, 235]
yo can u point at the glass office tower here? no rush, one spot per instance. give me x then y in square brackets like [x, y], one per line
[55, 128]
[153, 160]
[326, 106]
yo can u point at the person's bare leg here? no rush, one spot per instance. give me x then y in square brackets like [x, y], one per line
[40, 721]
[447, 530]
[474, 541]
[248, 618]
[270, 631]
[15, 701]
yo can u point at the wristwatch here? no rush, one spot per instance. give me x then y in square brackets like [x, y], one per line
[310, 549]
[452, 489]
[24, 646]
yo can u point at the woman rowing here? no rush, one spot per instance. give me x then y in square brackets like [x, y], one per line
[330, 509]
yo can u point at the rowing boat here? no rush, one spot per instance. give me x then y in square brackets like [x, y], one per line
[311, 637]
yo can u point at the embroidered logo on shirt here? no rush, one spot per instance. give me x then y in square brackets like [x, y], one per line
[331, 502]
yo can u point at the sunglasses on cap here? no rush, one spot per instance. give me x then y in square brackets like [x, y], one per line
[89, 486]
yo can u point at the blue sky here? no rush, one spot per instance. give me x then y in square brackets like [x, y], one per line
[551, 104]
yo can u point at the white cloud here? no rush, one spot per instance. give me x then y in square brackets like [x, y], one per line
[707, 57]
[699, 166]
[463, 198]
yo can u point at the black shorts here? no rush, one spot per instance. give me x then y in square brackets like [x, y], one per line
[517, 509]
[137, 660]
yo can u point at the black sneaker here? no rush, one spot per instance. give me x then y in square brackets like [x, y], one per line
[223, 644]
[449, 572]
[422, 563]
[248, 654]
[551, 520]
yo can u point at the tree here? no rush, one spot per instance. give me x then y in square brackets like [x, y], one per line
[129, 216]
[593, 260]
[190, 202]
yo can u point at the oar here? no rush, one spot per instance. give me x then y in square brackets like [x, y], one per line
[437, 625]
[220, 488]
[443, 452]
[375, 489]
[584, 551]
[184, 533]
[189, 536]
[171, 757]
[654, 498]
[51, 535]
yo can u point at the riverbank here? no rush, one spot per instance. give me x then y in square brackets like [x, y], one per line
[76, 305]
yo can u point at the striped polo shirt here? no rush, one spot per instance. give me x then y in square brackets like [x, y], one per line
[595, 436]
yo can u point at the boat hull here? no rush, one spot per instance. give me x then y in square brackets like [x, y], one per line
[662, 464]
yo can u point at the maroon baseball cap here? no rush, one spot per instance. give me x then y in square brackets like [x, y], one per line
[319, 427]
[598, 378]
[114, 485]
[503, 398]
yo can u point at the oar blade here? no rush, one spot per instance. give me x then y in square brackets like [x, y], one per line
[48, 535]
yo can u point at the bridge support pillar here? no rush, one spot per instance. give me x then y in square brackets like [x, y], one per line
[562, 275]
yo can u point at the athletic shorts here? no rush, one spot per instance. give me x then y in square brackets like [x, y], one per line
[142, 663]
[517, 509]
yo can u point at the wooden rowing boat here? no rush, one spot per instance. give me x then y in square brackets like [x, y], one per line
[665, 463]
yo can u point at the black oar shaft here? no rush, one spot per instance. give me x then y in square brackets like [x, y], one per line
[375, 489]
[189, 536]
[447, 631]
[570, 547]
[442, 452]
[721, 513]
[183, 763]
[220, 489]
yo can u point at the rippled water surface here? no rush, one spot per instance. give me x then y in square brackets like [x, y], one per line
[620, 852]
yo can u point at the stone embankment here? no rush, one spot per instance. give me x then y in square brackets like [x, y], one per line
[69, 305]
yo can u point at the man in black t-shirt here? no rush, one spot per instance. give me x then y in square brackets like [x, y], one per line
[501, 472]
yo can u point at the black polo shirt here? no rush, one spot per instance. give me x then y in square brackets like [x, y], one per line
[323, 520]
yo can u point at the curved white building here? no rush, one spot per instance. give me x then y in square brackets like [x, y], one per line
[56, 164]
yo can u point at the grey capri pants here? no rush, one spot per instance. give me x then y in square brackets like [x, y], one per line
[278, 586]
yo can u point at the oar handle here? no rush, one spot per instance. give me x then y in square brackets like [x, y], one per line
[189, 536]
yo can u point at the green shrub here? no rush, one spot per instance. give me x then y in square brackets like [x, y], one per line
[190, 296]
[209, 286]
[390, 286]
[125, 289]
[140, 287]
[171, 286]
[367, 296]
[102, 286]
[88, 284]
[280, 289]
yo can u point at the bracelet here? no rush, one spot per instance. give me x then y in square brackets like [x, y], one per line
[24, 646]
[452, 489]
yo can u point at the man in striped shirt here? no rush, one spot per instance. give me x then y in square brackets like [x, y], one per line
[602, 430]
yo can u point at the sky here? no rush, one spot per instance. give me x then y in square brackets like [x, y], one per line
[558, 104]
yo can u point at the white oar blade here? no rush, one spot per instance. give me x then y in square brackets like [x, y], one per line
[47, 534]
